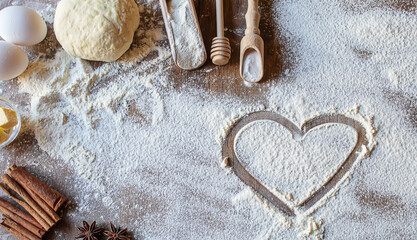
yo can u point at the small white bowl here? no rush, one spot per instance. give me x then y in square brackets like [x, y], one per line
[5, 103]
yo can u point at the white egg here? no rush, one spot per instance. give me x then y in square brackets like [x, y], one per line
[13, 61]
[22, 26]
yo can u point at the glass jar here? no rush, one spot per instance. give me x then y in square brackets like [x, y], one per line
[6, 103]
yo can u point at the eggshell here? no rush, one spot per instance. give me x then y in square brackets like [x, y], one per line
[22, 26]
[13, 61]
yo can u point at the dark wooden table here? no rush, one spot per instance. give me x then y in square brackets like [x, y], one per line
[223, 80]
[216, 80]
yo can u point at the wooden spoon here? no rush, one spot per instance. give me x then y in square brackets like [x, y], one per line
[172, 34]
[252, 41]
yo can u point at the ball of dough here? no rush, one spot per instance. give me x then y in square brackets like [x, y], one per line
[97, 30]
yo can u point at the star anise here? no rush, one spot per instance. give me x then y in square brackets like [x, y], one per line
[89, 232]
[116, 233]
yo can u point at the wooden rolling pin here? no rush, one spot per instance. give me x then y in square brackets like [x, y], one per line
[220, 48]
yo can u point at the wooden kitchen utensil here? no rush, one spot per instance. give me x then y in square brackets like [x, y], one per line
[252, 40]
[172, 35]
[220, 48]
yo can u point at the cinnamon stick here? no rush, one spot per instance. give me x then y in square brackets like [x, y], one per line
[21, 217]
[12, 224]
[5, 204]
[29, 200]
[43, 205]
[53, 198]
[12, 231]
[28, 208]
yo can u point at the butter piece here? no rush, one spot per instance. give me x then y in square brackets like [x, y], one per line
[4, 136]
[8, 118]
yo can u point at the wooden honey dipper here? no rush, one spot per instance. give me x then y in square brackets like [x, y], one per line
[220, 48]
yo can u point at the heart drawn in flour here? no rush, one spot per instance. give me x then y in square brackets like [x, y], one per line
[229, 151]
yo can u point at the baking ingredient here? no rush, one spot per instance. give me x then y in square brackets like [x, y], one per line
[89, 232]
[35, 209]
[322, 151]
[40, 217]
[13, 61]
[252, 65]
[190, 52]
[22, 26]
[117, 233]
[10, 227]
[9, 224]
[137, 147]
[55, 200]
[98, 30]
[9, 189]
[8, 118]
[21, 217]
[4, 135]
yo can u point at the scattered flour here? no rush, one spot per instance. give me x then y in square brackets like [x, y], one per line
[273, 156]
[147, 154]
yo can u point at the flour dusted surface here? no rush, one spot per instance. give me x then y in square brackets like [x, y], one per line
[293, 166]
[133, 148]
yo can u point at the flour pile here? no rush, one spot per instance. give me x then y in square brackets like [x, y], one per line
[252, 66]
[141, 152]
